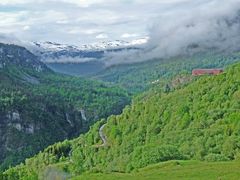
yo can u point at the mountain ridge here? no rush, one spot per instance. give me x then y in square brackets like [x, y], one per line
[50, 52]
[17, 55]
[101, 45]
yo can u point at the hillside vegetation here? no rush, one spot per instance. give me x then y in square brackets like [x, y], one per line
[139, 77]
[199, 121]
[39, 107]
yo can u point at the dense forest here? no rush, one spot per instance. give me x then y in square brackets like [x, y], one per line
[198, 120]
[139, 77]
[39, 107]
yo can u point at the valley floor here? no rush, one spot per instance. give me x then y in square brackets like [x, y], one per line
[180, 170]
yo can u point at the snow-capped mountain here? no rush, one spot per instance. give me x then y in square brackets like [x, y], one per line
[103, 45]
[83, 59]
[51, 52]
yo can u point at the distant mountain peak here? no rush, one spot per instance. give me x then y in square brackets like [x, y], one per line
[20, 57]
[102, 45]
[52, 52]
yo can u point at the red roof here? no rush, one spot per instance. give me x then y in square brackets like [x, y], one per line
[198, 72]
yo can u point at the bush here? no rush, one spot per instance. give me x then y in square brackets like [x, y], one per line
[215, 157]
[144, 156]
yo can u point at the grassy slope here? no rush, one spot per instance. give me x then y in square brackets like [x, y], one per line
[185, 170]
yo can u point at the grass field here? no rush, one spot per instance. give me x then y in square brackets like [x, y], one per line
[183, 170]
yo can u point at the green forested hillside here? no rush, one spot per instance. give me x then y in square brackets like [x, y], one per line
[199, 121]
[39, 107]
[139, 77]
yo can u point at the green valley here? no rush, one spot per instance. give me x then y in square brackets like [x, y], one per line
[39, 107]
[119, 90]
[195, 121]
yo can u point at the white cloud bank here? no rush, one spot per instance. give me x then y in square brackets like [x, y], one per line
[174, 26]
[210, 24]
[189, 27]
[66, 21]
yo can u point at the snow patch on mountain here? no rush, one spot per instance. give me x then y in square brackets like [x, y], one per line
[103, 45]
[51, 52]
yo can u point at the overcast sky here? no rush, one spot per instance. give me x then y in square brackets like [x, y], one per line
[81, 21]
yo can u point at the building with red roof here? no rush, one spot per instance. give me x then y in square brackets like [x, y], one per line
[200, 72]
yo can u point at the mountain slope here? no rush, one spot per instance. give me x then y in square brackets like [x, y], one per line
[197, 121]
[51, 52]
[104, 45]
[139, 77]
[19, 57]
[39, 107]
[81, 60]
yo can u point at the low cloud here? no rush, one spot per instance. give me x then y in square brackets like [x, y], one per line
[175, 27]
[189, 27]
[102, 36]
[198, 26]
[123, 57]
[127, 35]
[66, 60]
[9, 39]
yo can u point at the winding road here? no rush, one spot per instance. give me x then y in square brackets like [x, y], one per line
[102, 135]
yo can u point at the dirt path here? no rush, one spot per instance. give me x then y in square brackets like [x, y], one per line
[102, 135]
